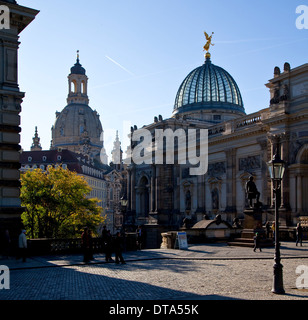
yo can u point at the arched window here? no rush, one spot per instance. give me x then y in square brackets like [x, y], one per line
[73, 86]
[83, 87]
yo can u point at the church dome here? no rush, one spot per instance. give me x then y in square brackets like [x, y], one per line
[76, 125]
[209, 88]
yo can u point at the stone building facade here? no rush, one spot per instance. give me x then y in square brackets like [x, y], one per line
[15, 19]
[239, 146]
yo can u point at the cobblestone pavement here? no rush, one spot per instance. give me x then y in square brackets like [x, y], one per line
[203, 272]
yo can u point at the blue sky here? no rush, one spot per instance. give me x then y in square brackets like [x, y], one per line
[137, 53]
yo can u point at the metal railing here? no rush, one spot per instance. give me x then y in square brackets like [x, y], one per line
[74, 245]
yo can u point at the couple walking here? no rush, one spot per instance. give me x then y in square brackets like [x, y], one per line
[113, 245]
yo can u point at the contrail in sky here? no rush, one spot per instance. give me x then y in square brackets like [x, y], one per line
[119, 65]
[138, 77]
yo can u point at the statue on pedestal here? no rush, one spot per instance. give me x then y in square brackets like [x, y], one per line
[252, 192]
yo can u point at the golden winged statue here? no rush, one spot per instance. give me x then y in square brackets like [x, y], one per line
[209, 41]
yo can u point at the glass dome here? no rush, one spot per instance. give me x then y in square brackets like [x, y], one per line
[206, 88]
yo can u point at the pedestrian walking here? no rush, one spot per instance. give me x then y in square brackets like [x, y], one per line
[299, 234]
[257, 242]
[22, 246]
[104, 234]
[90, 245]
[139, 238]
[118, 248]
[85, 239]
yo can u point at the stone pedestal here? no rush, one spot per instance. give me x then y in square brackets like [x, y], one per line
[253, 218]
[153, 236]
[168, 240]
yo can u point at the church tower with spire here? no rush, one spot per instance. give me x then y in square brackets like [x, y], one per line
[117, 153]
[77, 127]
[78, 84]
[36, 145]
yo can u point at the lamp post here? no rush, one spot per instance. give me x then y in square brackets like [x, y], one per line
[124, 202]
[276, 169]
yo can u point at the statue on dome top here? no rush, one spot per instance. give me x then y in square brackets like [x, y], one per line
[209, 41]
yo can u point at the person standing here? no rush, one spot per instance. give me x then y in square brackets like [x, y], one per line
[139, 238]
[118, 247]
[273, 229]
[268, 229]
[86, 245]
[257, 242]
[22, 245]
[299, 234]
[90, 245]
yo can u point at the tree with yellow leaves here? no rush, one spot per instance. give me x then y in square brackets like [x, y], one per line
[57, 204]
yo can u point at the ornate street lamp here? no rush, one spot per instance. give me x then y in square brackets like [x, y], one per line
[123, 202]
[276, 169]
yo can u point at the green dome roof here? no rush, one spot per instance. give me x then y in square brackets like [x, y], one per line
[208, 87]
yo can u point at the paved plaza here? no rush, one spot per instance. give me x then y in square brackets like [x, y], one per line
[203, 272]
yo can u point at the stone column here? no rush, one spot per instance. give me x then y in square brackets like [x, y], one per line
[19, 18]
[152, 195]
[157, 188]
[264, 170]
[285, 183]
[128, 189]
[231, 180]
[133, 189]
[201, 193]
[299, 194]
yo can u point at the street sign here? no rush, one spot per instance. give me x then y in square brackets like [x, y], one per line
[181, 240]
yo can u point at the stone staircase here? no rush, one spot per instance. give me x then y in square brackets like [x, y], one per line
[246, 239]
